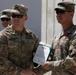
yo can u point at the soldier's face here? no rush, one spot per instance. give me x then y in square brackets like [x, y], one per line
[5, 22]
[17, 19]
[63, 16]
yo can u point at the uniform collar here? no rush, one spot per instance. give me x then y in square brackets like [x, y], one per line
[70, 30]
[12, 31]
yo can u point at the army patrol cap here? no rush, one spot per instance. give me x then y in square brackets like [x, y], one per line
[66, 6]
[4, 16]
[19, 9]
[5, 13]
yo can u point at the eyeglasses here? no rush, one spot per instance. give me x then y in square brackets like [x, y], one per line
[16, 16]
[60, 11]
[5, 19]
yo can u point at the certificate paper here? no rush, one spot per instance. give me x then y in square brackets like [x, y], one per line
[41, 54]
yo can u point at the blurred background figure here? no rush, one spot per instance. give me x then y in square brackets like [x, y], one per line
[5, 17]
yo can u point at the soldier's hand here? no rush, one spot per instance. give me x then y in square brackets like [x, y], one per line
[27, 72]
[45, 66]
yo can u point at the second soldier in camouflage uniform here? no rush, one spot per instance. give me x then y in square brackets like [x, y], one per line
[63, 55]
[17, 44]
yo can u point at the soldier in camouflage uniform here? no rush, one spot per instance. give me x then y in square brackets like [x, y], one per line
[63, 55]
[5, 17]
[17, 44]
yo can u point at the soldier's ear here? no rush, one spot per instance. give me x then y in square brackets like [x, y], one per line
[26, 17]
[72, 13]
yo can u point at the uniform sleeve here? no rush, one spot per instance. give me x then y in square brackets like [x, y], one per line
[36, 42]
[6, 66]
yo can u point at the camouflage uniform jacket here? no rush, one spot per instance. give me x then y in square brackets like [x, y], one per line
[16, 50]
[64, 53]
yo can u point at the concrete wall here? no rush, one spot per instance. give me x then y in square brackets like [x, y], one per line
[34, 13]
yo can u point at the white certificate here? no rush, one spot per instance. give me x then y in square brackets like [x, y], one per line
[41, 54]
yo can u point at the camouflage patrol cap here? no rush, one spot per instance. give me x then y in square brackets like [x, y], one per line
[5, 13]
[4, 16]
[67, 6]
[20, 9]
